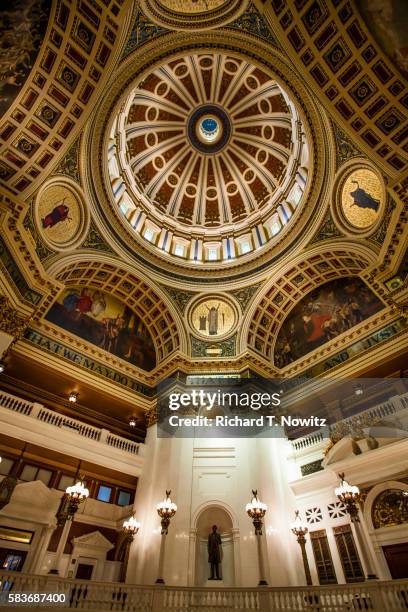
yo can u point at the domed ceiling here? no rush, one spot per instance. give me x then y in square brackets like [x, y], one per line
[208, 159]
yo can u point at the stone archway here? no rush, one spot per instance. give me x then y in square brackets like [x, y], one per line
[215, 515]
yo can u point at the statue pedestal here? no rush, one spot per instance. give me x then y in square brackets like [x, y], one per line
[214, 584]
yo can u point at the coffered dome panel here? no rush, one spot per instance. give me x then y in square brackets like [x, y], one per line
[208, 158]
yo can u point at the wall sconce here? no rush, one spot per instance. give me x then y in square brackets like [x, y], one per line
[73, 397]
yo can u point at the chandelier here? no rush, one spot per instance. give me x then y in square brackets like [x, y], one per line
[298, 527]
[131, 527]
[166, 510]
[256, 511]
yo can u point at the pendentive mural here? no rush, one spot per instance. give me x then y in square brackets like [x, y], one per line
[23, 26]
[322, 315]
[103, 320]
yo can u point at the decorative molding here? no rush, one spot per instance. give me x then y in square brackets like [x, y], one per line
[226, 348]
[16, 276]
[94, 240]
[179, 297]
[151, 416]
[327, 230]
[255, 24]
[40, 248]
[142, 31]
[67, 353]
[380, 234]
[11, 322]
[69, 165]
[346, 149]
[244, 296]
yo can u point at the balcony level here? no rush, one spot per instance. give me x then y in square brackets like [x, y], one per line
[34, 423]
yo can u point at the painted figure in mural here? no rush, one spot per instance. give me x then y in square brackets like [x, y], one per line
[364, 199]
[98, 304]
[59, 213]
[202, 323]
[100, 319]
[322, 315]
[214, 553]
[213, 320]
[113, 326]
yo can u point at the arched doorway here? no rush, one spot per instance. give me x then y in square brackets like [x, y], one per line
[214, 515]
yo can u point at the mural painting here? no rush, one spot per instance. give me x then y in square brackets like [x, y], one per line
[23, 26]
[101, 319]
[361, 198]
[213, 318]
[322, 315]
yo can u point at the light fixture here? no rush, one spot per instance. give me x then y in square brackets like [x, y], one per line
[73, 396]
[256, 511]
[2, 367]
[299, 528]
[349, 495]
[166, 510]
[76, 494]
[358, 389]
[131, 527]
[132, 421]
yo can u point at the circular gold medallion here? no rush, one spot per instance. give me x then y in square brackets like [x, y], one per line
[213, 318]
[362, 198]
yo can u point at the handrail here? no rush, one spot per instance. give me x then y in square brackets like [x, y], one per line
[382, 410]
[40, 413]
[373, 595]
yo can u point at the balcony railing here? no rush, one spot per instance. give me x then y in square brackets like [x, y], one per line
[383, 410]
[101, 596]
[36, 411]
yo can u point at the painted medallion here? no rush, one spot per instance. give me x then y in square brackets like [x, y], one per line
[213, 318]
[362, 198]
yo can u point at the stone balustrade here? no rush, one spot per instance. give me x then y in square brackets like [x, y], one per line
[380, 411]
[88, 595]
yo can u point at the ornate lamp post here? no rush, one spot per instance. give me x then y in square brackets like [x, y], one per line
[70, 503]
[349, 495]
[300, 530]
[256, 511]
[129, 530]
[166, 510]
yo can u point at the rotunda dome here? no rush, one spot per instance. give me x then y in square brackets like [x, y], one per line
[208, 159]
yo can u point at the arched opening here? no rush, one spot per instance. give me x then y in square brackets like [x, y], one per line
[214, 515]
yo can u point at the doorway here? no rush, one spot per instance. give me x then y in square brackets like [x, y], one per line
[84, 571]
[397, 559]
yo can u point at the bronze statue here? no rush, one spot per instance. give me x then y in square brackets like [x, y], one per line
[214, 553]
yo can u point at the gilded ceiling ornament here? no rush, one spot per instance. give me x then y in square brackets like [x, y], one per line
[362, 198]
[151, 416]
[11, 322]
[390, 508]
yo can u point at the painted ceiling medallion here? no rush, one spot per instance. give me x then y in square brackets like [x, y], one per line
[362, 198]
[208, 159]
[60, 215]
[213, 318]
